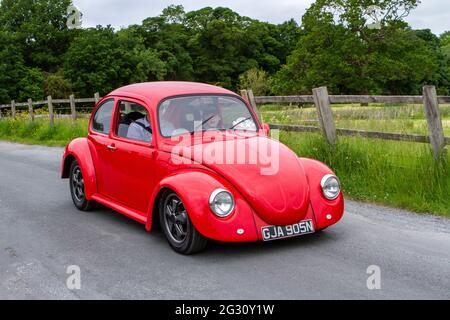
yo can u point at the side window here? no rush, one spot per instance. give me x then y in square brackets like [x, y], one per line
[102, 118]
[133, 122]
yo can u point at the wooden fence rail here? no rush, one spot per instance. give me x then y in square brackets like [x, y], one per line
[349, 99]
[72, 101]
[323, 101]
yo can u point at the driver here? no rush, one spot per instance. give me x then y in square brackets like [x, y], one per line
[140, 130]
[212, 120]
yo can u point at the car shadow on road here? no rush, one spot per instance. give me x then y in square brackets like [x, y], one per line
[215, 248]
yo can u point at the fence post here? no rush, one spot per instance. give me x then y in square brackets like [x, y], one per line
[435, 129]
[251, 99]
[50, 110]
[13, 109]
[244, 95]
[30, 109]
[73, 110]
[97, 97]
[322, 102]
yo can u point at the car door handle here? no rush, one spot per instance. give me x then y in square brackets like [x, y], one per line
[112, 147]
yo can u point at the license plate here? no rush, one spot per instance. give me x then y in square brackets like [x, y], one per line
[279, 232]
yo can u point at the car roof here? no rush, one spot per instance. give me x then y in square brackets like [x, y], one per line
[163, 89]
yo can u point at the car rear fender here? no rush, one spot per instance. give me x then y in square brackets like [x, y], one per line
[79, 150]
[194, 187]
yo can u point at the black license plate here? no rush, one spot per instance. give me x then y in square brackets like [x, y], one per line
[279, 232]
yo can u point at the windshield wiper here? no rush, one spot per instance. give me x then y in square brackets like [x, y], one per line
[242, 121]
[203, 123]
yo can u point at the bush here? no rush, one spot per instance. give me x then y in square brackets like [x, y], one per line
[256, 80]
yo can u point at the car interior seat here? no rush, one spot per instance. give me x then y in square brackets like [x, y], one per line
[126, 120]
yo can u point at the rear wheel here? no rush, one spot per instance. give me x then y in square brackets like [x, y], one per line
[177, 227]
[77, 189]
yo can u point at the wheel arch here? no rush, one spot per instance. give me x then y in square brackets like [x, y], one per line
[67, 163]
[194, 187]
[322, 207]
[79, 150]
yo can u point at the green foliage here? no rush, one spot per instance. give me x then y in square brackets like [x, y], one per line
[11, 67]
[57, 86]
[257, 80]
[40, 56]
[40, 28]
[100, 60]
[32, 85]
[338, 50]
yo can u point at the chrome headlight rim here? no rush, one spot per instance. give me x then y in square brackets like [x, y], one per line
[212, 203]
[324, 182]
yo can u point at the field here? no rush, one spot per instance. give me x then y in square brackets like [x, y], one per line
[399, 174]
[384, 118]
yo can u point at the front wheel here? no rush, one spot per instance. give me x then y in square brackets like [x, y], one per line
[177, 227]
[77, 189]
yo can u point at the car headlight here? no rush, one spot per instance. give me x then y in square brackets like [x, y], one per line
[331, 187]
[221, 203]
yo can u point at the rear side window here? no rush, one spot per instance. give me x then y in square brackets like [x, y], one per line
[102, 118]
[133, 122]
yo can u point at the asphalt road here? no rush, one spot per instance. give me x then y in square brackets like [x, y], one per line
[41, 234]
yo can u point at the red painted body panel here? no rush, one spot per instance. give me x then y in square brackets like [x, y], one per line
[81, 151]
[130, 178]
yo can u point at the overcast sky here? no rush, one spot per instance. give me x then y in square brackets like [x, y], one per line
[431, 14]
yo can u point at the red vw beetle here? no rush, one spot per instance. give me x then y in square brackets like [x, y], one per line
[196, 158]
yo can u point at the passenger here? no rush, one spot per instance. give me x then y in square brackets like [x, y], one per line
[140, 130]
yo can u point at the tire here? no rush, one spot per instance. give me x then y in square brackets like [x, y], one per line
[177, 226]
[77, 189]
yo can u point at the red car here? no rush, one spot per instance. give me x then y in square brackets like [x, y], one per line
[196, 159]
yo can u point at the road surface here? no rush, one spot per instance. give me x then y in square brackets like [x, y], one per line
[42, 234]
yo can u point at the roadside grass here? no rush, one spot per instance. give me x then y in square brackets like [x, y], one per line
[40, 132]
[399, 174]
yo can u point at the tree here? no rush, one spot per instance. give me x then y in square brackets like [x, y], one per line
[100, 60]
[91, 63]
[337, 49]
[168, 35]
[257, 80]
[57, 86]
[11, 67]
[444, 86]
[40, 29]
[32, 85]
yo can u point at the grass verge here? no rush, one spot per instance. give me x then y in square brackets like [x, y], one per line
[399, 174]
[40, 132]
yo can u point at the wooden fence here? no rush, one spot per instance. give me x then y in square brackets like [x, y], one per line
[322, 100]
[30, 104]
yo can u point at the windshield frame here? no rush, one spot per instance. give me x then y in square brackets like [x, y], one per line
[250, 109]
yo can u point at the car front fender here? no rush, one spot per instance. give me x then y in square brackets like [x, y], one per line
[79, 150]
[327, 212]
[194, 187]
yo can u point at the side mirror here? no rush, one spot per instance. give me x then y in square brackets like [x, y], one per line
[266, 129]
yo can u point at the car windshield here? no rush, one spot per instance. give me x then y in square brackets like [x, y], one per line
[191, 114]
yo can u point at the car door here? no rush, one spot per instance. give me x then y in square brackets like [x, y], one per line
[129, 164]
[99, 136]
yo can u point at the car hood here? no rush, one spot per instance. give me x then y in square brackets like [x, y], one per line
[267, 173]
